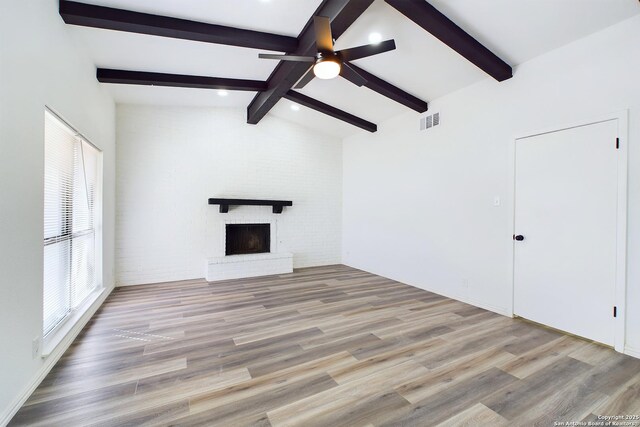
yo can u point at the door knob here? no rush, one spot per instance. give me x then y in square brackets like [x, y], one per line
[519, 237]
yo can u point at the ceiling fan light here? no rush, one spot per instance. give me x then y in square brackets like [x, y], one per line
[326, 69]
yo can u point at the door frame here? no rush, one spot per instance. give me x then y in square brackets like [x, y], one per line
[620, 292]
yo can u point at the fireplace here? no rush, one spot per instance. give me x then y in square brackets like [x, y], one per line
[247, 239]
[246, 247]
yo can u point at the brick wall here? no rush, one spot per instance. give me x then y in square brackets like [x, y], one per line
[170, 160]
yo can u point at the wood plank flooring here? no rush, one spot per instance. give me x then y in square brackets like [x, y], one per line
[326, 346]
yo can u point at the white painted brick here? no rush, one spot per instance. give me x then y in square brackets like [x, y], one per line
[170, 160]
[251, 265]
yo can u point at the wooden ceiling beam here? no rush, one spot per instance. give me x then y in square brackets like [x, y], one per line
[327, 109]
[341, 13]
[89, 15]
[177, 80]
[434, 22]
[390, 91]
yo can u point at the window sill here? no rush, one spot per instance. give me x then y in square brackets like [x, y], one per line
[51, 342]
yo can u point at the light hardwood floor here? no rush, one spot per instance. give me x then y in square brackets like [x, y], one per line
[326, 346]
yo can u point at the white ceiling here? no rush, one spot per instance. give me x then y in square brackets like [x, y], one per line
[517, 31]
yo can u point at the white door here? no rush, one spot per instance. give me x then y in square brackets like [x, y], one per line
[566, 214]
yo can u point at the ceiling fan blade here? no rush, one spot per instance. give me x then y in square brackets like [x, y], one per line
[324, 39]
[296, 58]
[305, 79]
[353, 76]
[366, 50]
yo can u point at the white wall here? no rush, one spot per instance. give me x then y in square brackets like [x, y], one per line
[418, 206]
[171, 160]
[39, 65]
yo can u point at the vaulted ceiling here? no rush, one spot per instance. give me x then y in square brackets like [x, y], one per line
[422, 65]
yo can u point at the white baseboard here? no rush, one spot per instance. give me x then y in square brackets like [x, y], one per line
[496, 309]
[52, 359]
[161, 282]
[632, 352]
[499, 310]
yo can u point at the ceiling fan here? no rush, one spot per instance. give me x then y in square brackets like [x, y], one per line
[328, 63]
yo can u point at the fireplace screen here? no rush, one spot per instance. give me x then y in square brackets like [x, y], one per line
[248, 238]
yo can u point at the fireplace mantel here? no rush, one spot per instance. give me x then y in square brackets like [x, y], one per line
[277, 205]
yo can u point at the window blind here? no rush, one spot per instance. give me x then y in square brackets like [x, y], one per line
[71, 192]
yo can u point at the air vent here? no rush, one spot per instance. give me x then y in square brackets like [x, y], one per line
[430, 121]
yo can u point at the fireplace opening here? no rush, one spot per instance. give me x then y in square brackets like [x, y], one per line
[248, 239]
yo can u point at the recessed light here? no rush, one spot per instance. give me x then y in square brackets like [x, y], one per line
[223, 93]
[375, 38]
[295, 107]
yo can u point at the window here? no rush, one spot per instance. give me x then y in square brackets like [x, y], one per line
[72, 221]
